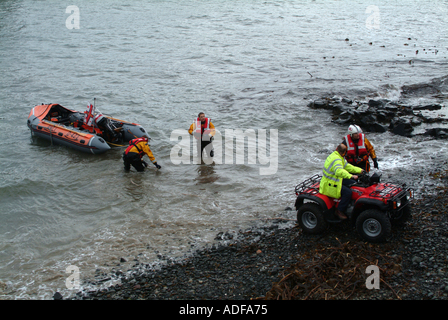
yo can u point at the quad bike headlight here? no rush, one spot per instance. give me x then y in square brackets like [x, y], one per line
[396, 204]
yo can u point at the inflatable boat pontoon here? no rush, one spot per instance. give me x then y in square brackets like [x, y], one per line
[84, 131]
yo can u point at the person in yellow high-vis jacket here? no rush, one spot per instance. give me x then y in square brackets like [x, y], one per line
[337, 177]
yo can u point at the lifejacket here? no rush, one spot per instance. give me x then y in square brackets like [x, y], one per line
[133, 143]
[356, 152]
[202, 128]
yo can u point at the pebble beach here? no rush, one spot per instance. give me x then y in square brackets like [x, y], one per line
[278, 261]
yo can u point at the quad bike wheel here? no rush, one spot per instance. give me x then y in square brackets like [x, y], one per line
[311, 218]
[373, 225]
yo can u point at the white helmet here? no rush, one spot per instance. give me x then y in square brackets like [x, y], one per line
[354, 129]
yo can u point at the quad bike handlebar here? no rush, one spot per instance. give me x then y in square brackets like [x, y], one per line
[364, 179]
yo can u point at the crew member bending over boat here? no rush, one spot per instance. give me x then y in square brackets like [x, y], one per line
[134, 153]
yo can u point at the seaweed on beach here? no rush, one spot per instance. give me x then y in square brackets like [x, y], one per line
[335, 272]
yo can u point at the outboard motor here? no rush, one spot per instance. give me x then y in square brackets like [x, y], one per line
[106, 127]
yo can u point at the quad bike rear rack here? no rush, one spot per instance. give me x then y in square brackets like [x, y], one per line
[309, 186]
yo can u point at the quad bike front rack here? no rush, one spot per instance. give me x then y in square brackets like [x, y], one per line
[393, 193]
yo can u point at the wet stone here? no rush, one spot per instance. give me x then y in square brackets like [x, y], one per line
[381, 115]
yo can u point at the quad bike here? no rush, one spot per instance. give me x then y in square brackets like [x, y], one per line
[373, 209]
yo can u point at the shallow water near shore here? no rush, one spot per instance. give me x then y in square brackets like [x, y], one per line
[247, 65]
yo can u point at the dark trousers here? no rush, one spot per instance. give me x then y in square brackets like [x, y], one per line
[346, 194]
[133, 159]
[204, 144]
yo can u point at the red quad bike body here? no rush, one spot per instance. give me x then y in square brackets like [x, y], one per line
[373, 209]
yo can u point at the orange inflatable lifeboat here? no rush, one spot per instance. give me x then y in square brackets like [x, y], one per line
[84, 131]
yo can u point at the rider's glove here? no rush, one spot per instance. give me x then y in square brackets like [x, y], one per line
[375, 163]
[158, 166]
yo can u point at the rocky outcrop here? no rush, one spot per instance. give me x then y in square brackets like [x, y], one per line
[384, 115]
